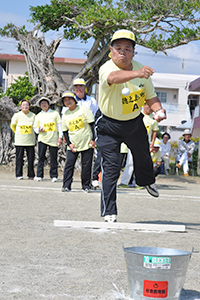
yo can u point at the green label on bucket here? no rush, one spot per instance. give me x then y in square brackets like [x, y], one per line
[155, 262]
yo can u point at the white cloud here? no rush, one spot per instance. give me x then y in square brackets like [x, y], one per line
[189, 51]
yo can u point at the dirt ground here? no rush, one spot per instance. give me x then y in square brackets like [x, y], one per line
[41, 261]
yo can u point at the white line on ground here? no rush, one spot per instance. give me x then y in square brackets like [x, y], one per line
[118, 225]
[143, 194]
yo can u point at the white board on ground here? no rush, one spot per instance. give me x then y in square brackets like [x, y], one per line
[118, 225]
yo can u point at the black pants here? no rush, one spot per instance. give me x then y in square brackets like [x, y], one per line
[97, 166]
[110, 134]
[42, 148]
[123, 157]
[86, 168]
[30, 152]
[157, 171]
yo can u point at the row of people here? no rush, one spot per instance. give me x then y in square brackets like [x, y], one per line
[47, 125]
[184, 153]
[160, 152]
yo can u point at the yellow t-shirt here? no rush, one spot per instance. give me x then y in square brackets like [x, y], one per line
[22, 126]
[49, 121]
[77, 124]
[111, 101]
[156, 157]
[150, 124]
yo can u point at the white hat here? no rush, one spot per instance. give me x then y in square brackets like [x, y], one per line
[157, 143]
[187, 131]
[123, 34]
[79, 81]
[44, 99]
[70, 95]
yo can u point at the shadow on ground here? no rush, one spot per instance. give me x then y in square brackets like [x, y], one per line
[188, 226]
[190, 295]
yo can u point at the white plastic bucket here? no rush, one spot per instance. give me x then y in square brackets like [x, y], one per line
[156, 273]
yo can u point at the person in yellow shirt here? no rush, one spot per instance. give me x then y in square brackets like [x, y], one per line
[22, 126]
[124, 85]
[156, 157]
[48, 127]
[150, 124]
[77, 125]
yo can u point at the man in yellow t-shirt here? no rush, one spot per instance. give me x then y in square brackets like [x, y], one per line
[77, 125]
[48, 127]
[22, 126]
[124, 85]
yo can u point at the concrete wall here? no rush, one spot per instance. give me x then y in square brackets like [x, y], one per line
[177, 88]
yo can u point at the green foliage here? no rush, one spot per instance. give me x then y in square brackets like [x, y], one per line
[21, 89]
[1, 93]
[195, 160]
[158, 25]
[159, 135]
[174, 144]
[10, 30]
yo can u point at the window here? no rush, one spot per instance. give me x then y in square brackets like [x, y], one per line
[193, 101]
[162, 96]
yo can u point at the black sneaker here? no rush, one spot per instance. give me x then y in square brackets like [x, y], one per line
[152, 190]
[65, 189]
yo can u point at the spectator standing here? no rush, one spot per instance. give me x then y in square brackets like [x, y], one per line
[119, 119]
[77, 125]
[156, 157]
[48, 127]
[22, 126]
[165, 151]
[80, 90]
[185, 151]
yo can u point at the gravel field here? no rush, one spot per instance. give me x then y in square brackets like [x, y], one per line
[41, 261]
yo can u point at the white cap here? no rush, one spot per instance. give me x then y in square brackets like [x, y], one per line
[187, 131]
[157, 143]
[79, 81]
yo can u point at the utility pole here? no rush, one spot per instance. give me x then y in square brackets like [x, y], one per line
[183, 66]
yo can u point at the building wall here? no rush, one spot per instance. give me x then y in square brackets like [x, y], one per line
[18, 68]
[15, 66]
[176, 87]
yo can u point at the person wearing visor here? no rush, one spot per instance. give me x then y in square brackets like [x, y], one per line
[156, 157]
[77, 125]
[48, 127]
[80, 90]
[124, 86]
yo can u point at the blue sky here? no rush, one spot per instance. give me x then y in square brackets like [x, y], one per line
[181, 60]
